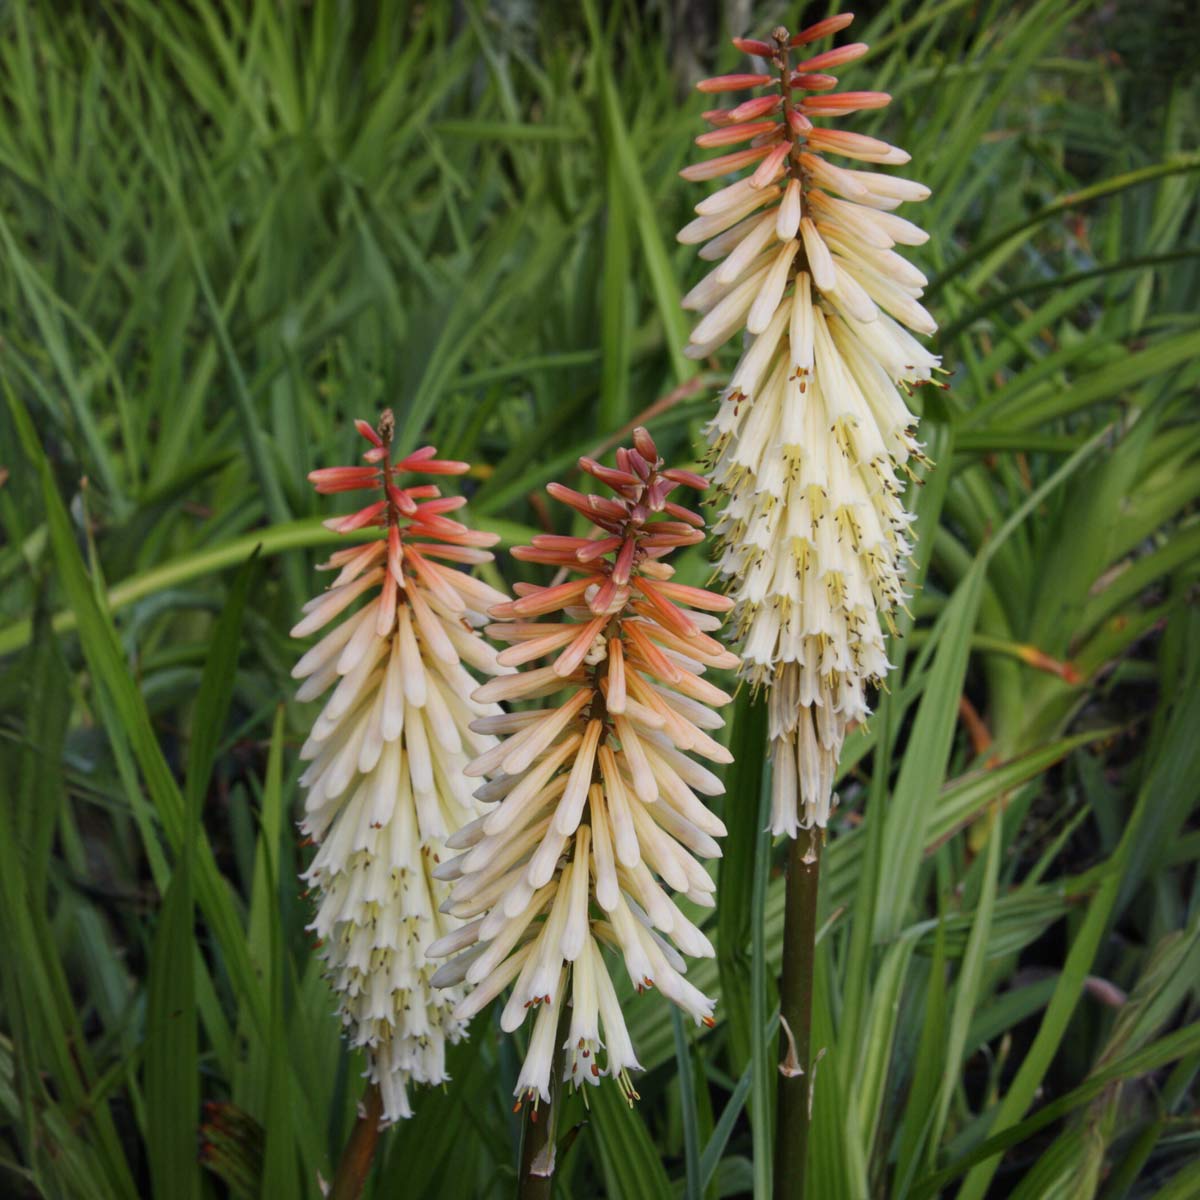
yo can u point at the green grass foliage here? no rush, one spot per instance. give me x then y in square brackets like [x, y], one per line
[227, 229]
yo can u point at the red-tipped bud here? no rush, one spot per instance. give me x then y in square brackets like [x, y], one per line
[624, 562]
[638, 465]
[716, 167]
[687, 478]
[552, 558]
[605, 597]
[846, 102]
[749, 110]
[328, 480]
[731, 83]
[434, 466]
[814, 33]
[595, 507]
[615, 479]
[814, 83]
[671, 541]
[682, 514]
[598, 549]
[402, 499]
[856, 145]
[444, 504]
[798, 122]
[769, 167]
[693, 597]
[539, 601]
[436, 526]
[730, 135]
[426, 462]
[664, 611]
[657, 493]
[833, 58]
[755, 47]
[771, 139]
[644, 444]
[366, 429]
[365, 516]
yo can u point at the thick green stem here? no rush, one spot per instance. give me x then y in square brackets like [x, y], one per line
[794, 1099]
[360, 1150]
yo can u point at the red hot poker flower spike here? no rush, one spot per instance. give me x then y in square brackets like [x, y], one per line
[384, 786]
[813, 432]
[596, 809]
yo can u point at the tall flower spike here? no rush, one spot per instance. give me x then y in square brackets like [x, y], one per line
[596, 811]
[813, 430]
[385, 785]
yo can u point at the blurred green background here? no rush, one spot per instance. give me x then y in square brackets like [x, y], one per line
[227, 229]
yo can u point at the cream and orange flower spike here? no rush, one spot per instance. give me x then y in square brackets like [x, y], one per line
[813, 432]
[594, 802]
[385, 785]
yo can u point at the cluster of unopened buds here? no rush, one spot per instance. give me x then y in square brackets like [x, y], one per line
[385, 784]
[594, 809]
[813, 435]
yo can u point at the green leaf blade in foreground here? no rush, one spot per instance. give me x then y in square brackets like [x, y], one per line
[628, 1157]
[923, 770]
[172, 1045]
[103, 652]
[172, 1082]
[1179, 760]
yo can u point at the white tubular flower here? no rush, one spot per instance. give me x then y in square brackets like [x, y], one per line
[813, 433]
[385, 784]
[596, 812]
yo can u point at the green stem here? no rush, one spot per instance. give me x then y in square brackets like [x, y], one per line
[794, 1098]
[359, 1153]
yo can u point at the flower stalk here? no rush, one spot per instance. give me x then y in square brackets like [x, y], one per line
[813, 436]
[793, 1109]
[810, 445]
[595, 811]
[384, 784]
[539, 1133]
[359, 1153]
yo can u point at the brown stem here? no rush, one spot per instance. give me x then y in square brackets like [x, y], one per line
[783, 61]
[536, 1154]
[794, 1095]
[387, 431]
[360, 1149]
[538, 1144]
